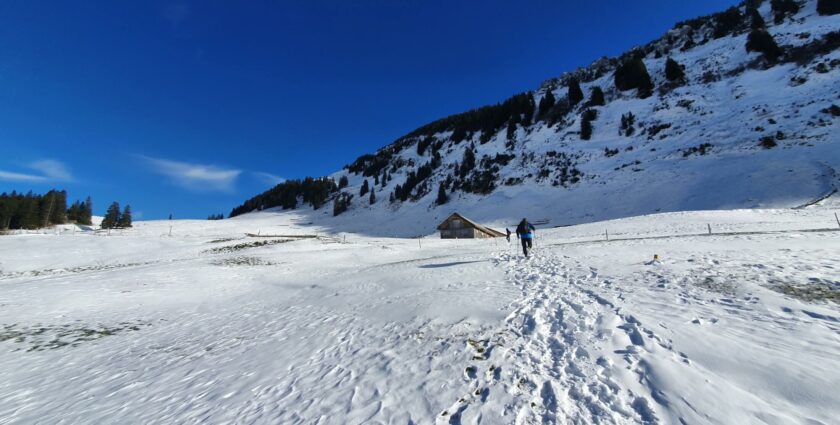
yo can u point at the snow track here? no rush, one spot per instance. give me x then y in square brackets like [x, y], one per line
[555, 326]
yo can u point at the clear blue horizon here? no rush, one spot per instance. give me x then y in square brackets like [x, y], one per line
[190, 108]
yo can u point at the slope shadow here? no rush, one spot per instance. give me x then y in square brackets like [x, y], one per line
[441, 265]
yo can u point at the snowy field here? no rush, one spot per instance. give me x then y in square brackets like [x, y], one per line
[209, 325]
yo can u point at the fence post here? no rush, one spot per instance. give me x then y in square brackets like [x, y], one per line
[607, 232]
[170, 230]
[710, 228]
[838, 219]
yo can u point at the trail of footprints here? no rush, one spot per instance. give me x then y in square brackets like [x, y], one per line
[555, 379]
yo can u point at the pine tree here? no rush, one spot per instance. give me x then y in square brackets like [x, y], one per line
[372, 196]
[467, 163]
[586, 118]
[597, 97]
[341, 203]
[125, 217]
[761, 41]
[442, 198]
[546, 103]
[376, 180]
[575, 93]
[673, 70]
[828, 7]
[112, 216]
[342, 182]
[86, 215]
[727, 22]
[633, 74]
[627, 122]
[364, 188]
[511, 132]
[782, 8]
[756, 21]
[28, 215]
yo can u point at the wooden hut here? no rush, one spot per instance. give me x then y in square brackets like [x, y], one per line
[457, 226]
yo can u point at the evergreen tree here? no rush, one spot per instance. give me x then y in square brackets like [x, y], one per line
[633, 74]
[86, 215]
[756, 21]
[627, 122]
[511, 132]
[72, 212]
[673, 70]
[391, 198]
[8, 205]
[586, 118]
[467, 163]
[782, 8]
[125, 217]
[575, 93]
[828, 7]
[727, 22]
[436, 160]
[341, 203]
[52, 208]
[343, 182]
[29, 212]
[761, 41]
[442, 198]
[112, 216]
[546, 103]
[597, 97]
[364, 188]
[376, 180]
[372, 196]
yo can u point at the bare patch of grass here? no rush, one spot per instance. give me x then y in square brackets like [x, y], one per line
[814, 290]
[246, 245]
[52, 337]
[242, 262]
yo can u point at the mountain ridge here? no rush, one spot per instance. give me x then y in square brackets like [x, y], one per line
[710, 115]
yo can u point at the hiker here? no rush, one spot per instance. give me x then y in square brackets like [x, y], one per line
[525, 232]
[508, 234]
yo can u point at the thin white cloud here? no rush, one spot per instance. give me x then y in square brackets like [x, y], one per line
[18, 177]
[48, 170]
[195, 177]
[52, 169]
[268, 178]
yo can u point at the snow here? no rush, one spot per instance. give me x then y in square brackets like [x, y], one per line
[144, 327]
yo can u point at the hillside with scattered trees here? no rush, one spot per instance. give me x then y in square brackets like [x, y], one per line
[746, 93]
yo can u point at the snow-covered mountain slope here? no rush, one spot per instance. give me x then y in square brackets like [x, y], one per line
[739, 131]
[210, 326]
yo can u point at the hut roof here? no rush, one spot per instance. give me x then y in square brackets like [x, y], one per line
[489, 231]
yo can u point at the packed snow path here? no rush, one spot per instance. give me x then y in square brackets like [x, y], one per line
[143, 329]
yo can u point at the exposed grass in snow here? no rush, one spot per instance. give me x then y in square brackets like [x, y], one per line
[812, 291]
[40, 337]
[243, 262]
[246, 245]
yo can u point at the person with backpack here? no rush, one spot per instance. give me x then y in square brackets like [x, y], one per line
[525, 233]
[508, 234]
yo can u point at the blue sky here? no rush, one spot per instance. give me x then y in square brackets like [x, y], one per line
[191, 107]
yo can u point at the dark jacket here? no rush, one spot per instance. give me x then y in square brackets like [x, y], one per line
[525, 230]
